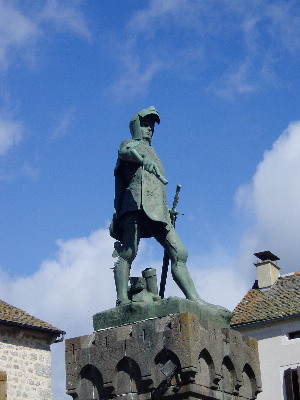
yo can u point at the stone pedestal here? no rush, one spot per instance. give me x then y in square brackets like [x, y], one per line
[172, 357]
[139, 311]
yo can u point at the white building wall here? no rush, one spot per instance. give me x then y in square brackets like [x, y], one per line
[25, 358]
[277, 353]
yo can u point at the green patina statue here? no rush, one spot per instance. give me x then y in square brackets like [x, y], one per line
[141, 211]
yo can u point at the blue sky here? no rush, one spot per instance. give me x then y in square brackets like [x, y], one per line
[224, 76]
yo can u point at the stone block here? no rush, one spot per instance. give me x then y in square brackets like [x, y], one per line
[141, 310]
[208, 362]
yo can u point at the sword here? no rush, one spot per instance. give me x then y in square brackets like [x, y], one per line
[166, 259]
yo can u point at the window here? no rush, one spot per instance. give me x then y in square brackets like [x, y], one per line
[292, 383]
[3, 379]
[294, 335]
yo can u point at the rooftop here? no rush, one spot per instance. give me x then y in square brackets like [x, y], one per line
[279, 301]
[15, 316]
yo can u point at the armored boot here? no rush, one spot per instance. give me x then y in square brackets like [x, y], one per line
[183, 279]
[121, 273]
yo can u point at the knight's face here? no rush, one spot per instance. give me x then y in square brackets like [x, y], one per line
[147, 128]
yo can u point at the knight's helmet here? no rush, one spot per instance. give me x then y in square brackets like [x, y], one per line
[134, 124]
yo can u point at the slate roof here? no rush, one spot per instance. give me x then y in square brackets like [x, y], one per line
[15, 316]
[280, 301]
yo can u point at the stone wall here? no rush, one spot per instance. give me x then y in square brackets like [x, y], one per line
[25, 358]
[173, 357]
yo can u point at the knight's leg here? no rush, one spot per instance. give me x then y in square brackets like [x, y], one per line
[121, 274]
[178, 256]
[126, 255]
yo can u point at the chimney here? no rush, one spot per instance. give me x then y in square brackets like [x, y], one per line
[267, 271]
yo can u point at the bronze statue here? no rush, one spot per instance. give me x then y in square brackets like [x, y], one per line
[141, 209]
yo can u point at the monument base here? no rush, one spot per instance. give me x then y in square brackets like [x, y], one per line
[172, 357]
[138, 311]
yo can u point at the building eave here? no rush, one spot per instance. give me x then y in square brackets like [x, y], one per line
[52, 332]
[265, 321]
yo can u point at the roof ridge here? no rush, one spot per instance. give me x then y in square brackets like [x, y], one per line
[282, 299]
[14, 315]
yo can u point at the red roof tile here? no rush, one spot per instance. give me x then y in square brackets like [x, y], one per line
[13, 315]
[281, 300]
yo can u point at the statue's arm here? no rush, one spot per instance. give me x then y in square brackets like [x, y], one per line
[128, 152]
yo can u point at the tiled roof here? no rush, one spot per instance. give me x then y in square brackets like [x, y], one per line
[281, 300]
[13, 315]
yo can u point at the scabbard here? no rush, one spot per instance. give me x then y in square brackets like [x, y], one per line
[166, 259]
[164, 273]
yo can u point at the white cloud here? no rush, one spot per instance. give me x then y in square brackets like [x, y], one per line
[219, 280]
[17, 31]
[269, 33]
[26, 170]
[144, 49]
[234, 82]
[286, 24]
[21, 28]
[145, 20]
[136, 79]
[273, 199]
[10, 134]
[64, 123]
[72, 286]
[66, 16]
[31, 172]
[264, 34]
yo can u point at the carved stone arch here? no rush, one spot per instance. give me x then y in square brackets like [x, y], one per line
[206, 373]
[90, 384]
[160, 360]
[165, 355]
[127, 377]
[249, 388]
[229, 379]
